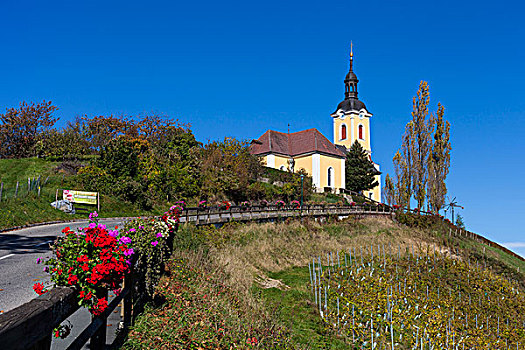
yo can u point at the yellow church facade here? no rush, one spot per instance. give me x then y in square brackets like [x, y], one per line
[308, 150]
[313, 152]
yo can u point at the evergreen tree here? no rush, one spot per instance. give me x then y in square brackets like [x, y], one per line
[360, 171]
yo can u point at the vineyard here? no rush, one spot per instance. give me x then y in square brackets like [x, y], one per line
[381, 297]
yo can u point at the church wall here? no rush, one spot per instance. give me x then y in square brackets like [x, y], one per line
[335, 163]
[281, 161]
[305, 163]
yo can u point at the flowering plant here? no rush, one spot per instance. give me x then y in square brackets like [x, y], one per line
[202, 204]
[225, 205]
[396, 206]
[279, 204]
[153, 239]
[181, 204]
[352, 204]
[89, 260]
[295, 204]
[245, 205]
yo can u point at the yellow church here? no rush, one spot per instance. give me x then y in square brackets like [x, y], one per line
[323, 160]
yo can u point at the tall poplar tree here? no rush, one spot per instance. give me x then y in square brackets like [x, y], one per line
[389, 191]
[439, 161]
[420, 142]
[403, 190]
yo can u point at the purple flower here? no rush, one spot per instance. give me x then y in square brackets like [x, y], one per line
[102, 226]
[125, 240]
[159, 235]
[92, 225]
[154, 243]
[129, 252]
[113, 233]
[128, 262]
[39, 260]
[141, 227]
[132, 230]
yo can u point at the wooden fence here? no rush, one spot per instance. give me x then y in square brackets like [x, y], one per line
[216, 215]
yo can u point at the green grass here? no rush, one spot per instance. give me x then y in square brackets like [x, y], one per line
[13, 170]
[29, 208]
[298, 311]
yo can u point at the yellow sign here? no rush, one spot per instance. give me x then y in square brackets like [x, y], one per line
[80, 196]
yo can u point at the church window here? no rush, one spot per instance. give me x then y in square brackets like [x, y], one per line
[361, 132]
[330, 177]
[343, 132]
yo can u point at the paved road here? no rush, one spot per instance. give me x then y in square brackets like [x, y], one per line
[19, 271]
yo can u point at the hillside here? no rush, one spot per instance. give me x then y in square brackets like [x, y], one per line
[29, 207]
[252, 286]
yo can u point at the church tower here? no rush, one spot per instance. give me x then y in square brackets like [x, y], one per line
[351, 122]
[351, 119]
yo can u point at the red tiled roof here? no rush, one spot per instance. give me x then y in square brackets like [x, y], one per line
[294, 144]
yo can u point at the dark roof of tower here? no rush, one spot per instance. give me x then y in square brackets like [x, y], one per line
[351, 104]
[294, 144]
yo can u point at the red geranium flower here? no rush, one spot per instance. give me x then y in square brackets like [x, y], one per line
[39, 288]
[72, 279]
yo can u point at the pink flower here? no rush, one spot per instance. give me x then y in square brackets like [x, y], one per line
[92, 225]
[132, 230]
[102, 226]
[129, 252]
[159, 235]
[113, 233]
[125, 240]
[154, 243]
[39, 260]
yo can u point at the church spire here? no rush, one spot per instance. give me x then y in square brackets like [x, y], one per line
[351, 79]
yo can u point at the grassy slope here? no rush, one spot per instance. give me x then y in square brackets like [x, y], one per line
[249, 259]
[29, 208]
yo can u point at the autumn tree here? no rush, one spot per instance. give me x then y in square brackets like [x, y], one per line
[227, 169]
[439, 161]
[420, 142]
[422, 165]
[23, 127]
[389, 191]
[100, 130]
[360, 171]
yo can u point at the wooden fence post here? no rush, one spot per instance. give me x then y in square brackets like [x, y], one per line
[127, 304]
[98, 340]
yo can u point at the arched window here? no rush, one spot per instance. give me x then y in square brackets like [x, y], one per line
[330, 177]
[361, 132]
[343, 132]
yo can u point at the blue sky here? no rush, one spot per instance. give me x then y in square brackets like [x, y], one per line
[240, 68]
